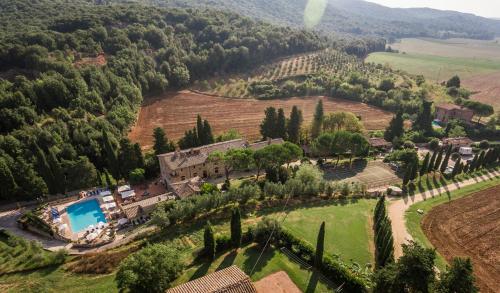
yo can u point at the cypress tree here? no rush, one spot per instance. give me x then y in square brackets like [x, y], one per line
[444, 165]
[268, 125]
[384, 242]
[294, 124]
[480, 160]
[200, 130]
[425, 164]
[108, 179]
[57, 171]
[407, 175]
[161, 144]
[208, 132]
[209, 241]
[320, 247]
[7, 182]
[138, 156]
[466, 168]
[44, 170]
[281, 124]
[317, 123]
[236, 228]
[99, 179]
[473, 163]
[456, 168]
[424, 118]
[111, 156]
[432, 162]
[414, 170]
[439, 159]
[395, 128]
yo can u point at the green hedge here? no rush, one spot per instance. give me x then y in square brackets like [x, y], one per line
[334, 270]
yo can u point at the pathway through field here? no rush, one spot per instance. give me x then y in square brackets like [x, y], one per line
[399, 206]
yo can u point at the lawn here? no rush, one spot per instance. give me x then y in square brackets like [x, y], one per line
[348, 228]
[436, 68]
[413, 219]
[271, 261]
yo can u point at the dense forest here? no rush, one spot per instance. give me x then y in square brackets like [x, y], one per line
[73, 74]
[356, 17]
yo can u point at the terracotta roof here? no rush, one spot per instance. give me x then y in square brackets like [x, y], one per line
[458, 140]
[228, 280]
[187, 187]
[145, 206]
[196, 156]
[379, 142]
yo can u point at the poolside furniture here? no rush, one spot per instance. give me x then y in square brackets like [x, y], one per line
[109, 206]
[108, 198]
[105, 193]
[122, 221]
[91, 236]
[127, 194]
[62, 227]
[123, 188]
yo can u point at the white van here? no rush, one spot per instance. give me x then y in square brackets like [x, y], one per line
[465, 151]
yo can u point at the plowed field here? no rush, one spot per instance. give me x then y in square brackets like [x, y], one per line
[176, 113]
[470, 227]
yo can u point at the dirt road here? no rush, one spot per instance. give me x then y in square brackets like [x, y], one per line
[398, 207]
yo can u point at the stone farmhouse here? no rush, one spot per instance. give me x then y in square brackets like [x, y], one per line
[181, 167]
[447, 112]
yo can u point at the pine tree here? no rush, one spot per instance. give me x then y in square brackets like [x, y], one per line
[268, 125]
[439, 159]
[294, 124]
[320, 247]
[208, 132]
[425, 165]
[432, 162]
[395, 128]
[236, 228]
[111, 156]
[281, 124]
[317, 123]
[209, 241]
[444, 165]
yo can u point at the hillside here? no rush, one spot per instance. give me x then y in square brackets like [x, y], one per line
[357, 17]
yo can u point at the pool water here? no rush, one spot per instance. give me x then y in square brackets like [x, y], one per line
[83, 214]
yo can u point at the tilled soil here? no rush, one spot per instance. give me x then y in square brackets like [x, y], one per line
[176, 113]
[470, 227]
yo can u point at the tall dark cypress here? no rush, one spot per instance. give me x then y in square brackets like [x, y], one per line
[317, 123]
[108, 179]
[294, 124]
[209, 137]
[99, 179]
[439, 158]
[236, 228]
[414, 170]
[44, 170]
[425, 164]
[111, 156]
[268, 125]
[456, 168]
[407, 175]
[209, 241]
[384, 242]
[430, 168]
[320, 247]
[281, 125]
[444, 165]
[200, 130]
[480, 160]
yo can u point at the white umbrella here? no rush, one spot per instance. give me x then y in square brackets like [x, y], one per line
[108, 198]
[57, 220]
[62, 227]
[122, 221]
[90, 227]
[100, 224]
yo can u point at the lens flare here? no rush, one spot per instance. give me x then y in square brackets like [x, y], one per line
[314, 12]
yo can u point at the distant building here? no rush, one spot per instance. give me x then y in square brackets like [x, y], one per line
[180, 166]
[457, 142]
[380, 143]
[447, 112]
[230, 280]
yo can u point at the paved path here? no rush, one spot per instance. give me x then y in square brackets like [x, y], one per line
[399, 206]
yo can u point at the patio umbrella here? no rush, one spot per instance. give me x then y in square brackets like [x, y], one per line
[62, 227]
[57, 220]
[91, 236]
[100, 224]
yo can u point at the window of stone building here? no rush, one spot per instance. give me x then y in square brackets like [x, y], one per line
[183, 178]
[216, 170]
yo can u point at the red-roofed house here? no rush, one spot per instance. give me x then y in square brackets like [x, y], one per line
[447, 112]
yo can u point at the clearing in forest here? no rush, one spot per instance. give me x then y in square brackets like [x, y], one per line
[469, 227]
[176, 113]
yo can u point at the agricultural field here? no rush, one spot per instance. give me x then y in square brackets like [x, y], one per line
[176, 113]
[476, 62]
[299, 66]
[469, 227]
[416, 223]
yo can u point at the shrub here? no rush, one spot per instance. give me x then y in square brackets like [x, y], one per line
[136, 176]
[264, 228]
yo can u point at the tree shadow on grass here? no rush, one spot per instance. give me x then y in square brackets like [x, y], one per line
[228, 260]
[252, 254]
[201, 271]
[313, 282]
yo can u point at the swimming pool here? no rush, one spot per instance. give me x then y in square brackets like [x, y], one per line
[83, 214]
